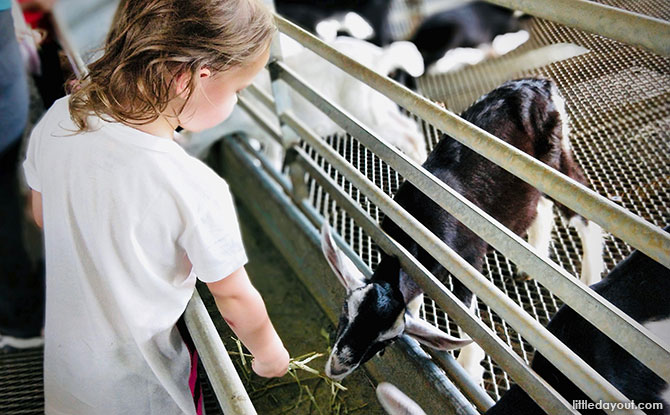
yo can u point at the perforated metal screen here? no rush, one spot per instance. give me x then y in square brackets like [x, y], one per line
[617, 97]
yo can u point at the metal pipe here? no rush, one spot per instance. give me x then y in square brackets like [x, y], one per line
[225, 381]
[456, 373]
[625, 26]
[64, 39]
[625, 331]
[262, 96]
[306, 208]
[639, 233]
[262, 120]
[537, 388]
[584, 377]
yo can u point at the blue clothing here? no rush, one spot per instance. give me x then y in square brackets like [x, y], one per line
[14, 98]
[5, 4]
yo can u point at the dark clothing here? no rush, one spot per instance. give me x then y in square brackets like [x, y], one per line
[21, 286]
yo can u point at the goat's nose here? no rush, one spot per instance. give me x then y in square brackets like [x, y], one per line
[334, 368]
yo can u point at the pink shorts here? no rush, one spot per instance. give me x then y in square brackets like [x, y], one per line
[193, 380]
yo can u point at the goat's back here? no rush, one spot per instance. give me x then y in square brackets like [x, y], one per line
[638, 286]
[522, 113]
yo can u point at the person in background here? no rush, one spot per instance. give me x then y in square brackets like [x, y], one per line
[131, 220]
[21, 283]
[50, 77]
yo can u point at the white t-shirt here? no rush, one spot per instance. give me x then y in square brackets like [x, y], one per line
[130, 219]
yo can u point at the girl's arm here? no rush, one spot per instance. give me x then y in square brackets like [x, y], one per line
[242, 307]
[37, 207]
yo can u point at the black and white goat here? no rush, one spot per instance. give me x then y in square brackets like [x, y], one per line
[309, 13]
[466, 26]
[638, 286]
[528, 114]
[464, 35]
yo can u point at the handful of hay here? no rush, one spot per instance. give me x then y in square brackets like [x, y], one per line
[306, 387]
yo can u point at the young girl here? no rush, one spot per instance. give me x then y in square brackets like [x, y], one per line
[130, 220]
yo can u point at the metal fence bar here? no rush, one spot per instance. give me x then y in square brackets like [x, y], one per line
[247, 106]
[646, 237]
[625, 331]
[76, 62]
[454, 371]
[306, 208]
[584, 377]
[622, 25]
[225, 381]
[262, 96]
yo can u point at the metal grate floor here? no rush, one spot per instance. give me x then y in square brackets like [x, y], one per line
[618, 99]
[21, 384]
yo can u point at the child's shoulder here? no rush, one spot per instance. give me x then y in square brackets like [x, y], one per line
[199, 177]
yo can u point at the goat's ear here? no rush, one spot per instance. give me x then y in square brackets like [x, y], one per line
[395, 402]
[429, 335]
[408, 287]
[342, 266]
[401, 54]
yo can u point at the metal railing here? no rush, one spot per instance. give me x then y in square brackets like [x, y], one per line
[625, 26]
[634, 230]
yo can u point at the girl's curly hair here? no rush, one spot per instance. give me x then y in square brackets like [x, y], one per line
[151, 42]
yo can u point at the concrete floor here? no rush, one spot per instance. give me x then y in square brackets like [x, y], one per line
[302, 325]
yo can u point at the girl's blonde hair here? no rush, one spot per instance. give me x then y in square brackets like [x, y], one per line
[152, 42]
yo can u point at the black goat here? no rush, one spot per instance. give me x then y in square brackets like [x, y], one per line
[528, 114]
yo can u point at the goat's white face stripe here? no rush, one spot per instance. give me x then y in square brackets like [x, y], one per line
[355, 300]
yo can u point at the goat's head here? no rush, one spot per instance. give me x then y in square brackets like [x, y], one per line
[374, 314]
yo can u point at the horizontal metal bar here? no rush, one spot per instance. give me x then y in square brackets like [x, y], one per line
[636, 231]
[221, 372]
[261, 119]
[625, 26]
[537, 388]
[262, 96]
[462, 379]
[622, 329]
[306, 208]
[587, 379]
[79, 68]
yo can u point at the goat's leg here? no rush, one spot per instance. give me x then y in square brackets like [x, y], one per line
[591, 237]
[471, 355]
[539, 232]
[589, 232]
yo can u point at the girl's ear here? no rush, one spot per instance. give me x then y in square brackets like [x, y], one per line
[205, 72]
[182, 80]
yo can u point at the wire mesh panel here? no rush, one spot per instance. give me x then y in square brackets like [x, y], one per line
[617, 98]
[21, 384]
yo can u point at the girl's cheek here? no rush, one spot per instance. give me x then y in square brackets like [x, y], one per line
[230, 105]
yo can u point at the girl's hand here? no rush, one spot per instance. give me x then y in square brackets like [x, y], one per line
[275, 367]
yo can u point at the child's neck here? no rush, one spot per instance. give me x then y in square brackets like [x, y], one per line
[160, 127]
